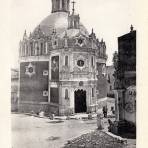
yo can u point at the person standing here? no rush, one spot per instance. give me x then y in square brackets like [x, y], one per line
[105, 111]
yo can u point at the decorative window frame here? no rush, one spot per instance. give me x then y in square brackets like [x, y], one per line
[82, 64]
[83, 41]
[27, 72]
[53, 43]
[80, 58]
[45, 93]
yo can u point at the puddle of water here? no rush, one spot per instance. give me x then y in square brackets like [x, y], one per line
[52, 138]
[55, 121]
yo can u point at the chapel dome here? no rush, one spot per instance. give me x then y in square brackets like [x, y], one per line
[59, 21]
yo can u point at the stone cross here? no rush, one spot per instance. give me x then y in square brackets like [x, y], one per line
[73, 10]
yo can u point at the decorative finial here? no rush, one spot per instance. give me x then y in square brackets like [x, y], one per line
[73, 9]
[25, 32]
[92, 30]
[97, 40]
[132, 28]
[65, 33]
[53, 31]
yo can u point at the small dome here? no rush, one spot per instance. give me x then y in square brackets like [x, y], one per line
[59, 22]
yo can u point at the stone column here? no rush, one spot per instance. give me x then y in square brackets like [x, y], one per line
[60, 95]
[88, 99]
[49, 83]
[67, 5]
[49, 68]
[72, 99]
[116, 105]
[46, 47]
[71, 64]
[60, 4]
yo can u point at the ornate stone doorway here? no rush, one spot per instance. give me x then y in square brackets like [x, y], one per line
[80, 101]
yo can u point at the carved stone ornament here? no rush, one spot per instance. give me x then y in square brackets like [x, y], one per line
[30, 70]
[129, 107]
[81, 83]
[80, 41]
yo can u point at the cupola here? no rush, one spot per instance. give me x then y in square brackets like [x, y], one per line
[60, 6]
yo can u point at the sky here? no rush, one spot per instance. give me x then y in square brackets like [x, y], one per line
[109, 19]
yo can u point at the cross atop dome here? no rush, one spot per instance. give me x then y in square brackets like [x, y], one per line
[73, 8]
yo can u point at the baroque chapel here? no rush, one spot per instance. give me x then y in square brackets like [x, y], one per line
[61, 66]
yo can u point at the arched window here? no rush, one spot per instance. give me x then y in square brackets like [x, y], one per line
[71, 24]
[63, 4]
[92, 92]
[75, 24]
[66, 94]
[58, 4]
[67, 5]
[92, 61]
[31, 48]
[27, 51]
[66, 60]
[41, 48]
[38, 51]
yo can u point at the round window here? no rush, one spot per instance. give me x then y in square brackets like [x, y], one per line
[80, 41]
[80, 63]
[30, 69]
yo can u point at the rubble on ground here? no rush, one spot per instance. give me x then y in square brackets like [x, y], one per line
[96, 139]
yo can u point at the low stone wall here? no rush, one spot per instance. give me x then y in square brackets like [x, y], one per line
[64, 111]
[37, 107]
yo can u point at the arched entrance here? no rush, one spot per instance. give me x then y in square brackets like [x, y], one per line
[80, 101]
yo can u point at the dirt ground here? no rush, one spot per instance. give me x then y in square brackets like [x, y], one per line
[34, 132]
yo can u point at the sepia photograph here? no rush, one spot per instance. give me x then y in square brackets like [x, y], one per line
[73, 73]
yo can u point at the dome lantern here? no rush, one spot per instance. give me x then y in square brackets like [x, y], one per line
[60, 6]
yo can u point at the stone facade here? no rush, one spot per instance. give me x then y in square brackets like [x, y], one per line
[125, 82]
[61, 64]
[14, 89]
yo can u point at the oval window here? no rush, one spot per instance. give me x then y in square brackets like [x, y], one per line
[80, 63]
